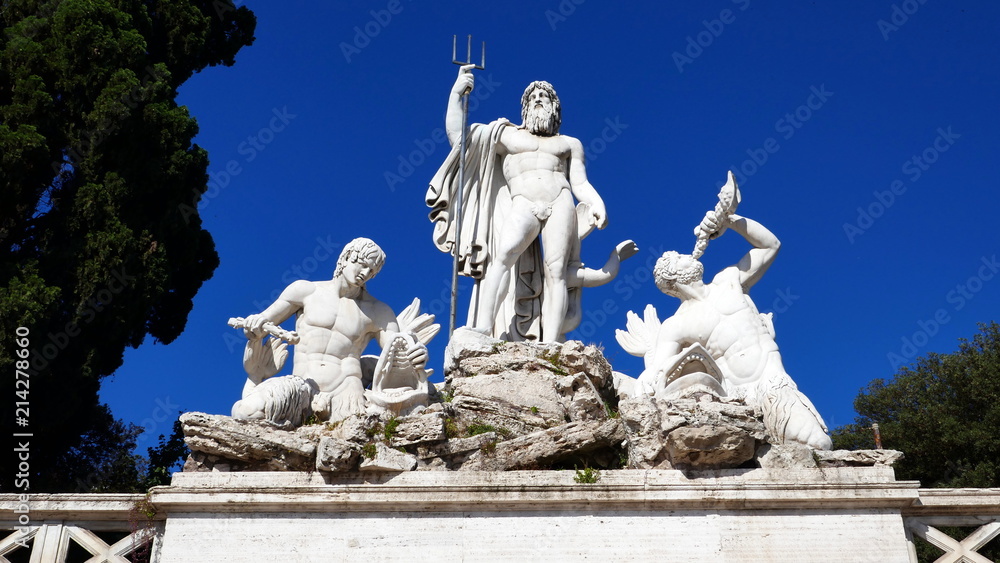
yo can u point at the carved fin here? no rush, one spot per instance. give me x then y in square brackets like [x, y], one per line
[640, 336]
[421, 325]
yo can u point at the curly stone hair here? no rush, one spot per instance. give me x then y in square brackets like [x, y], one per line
[667, 276]
[360, 248]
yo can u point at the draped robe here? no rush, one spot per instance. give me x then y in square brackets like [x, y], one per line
[486, 201]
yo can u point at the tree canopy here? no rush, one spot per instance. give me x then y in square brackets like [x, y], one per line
[943, 413]
[100, 239]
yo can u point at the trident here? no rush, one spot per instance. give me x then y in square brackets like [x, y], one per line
[461, 174]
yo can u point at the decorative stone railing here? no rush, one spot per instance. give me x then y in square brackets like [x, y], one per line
[108, 528]
[977, 509]
[55, 528]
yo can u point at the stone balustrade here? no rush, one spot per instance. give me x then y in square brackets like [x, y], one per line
[843, 514]
[55, 528]
[975, 509]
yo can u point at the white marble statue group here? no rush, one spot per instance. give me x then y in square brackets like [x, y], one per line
[525, 207]
[335, 321]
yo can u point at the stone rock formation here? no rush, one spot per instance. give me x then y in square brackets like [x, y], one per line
[516, 405]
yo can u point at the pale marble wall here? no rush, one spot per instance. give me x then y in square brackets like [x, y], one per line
[578, 535]
[848, 515]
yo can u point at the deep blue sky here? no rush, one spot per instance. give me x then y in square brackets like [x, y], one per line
[359, 91]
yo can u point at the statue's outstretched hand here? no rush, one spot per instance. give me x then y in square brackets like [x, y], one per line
[625, 250]
[465, 81]
[417, 355]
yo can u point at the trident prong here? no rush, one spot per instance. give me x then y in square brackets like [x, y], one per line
[468, 53]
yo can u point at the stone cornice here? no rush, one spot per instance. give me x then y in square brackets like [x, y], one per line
[537, 491]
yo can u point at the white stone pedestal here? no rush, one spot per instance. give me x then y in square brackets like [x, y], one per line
[844, 514]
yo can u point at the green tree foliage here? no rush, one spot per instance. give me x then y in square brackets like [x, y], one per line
[112, 466]
[943, 413]
[100, 239]
[165, 457]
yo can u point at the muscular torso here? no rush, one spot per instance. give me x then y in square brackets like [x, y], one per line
[535, 167]
[728, 325]
[334, 331]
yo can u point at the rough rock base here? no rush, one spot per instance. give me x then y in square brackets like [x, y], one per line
[515, 406]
